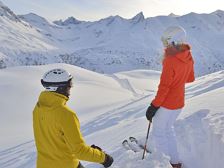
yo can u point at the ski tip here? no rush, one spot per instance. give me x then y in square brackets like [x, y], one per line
[125, 141]
[132, 139]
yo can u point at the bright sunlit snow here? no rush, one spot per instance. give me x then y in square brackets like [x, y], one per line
[110, 98]
[111, 108]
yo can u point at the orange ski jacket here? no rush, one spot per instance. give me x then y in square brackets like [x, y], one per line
[57, 134]
[178, 69]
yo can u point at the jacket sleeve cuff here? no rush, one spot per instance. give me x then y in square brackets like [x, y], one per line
[156, 106]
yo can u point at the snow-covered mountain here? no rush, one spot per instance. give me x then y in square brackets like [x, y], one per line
[116, 112]
[5, 11]
[109, 45]
[70, 20]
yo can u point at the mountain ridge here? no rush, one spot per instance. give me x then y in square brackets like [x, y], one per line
[110, 44]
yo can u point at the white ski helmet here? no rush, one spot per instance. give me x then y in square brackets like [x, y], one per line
[173, 35]
[55, 78]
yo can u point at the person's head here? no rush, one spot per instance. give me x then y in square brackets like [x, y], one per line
[173, 36]
[57, 80]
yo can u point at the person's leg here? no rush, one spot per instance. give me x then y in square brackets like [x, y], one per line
[162, 132]
[171, 137]
[158, 130]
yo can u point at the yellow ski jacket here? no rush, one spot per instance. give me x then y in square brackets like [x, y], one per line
[57, 134]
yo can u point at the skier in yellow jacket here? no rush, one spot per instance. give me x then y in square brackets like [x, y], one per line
[57, 133]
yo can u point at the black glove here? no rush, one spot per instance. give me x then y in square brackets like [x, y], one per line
[151, 111]
[80, 165]
[96, 147]
[108, 161]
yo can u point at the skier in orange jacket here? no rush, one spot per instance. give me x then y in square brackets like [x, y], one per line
[164, 109]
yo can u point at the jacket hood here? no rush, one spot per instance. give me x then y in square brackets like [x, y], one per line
[181, 52]
[50, 99]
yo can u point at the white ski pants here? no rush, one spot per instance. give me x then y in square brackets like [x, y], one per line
[162, 132]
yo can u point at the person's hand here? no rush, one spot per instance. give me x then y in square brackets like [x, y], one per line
[96, 147]
[108, 161]
[151, 111]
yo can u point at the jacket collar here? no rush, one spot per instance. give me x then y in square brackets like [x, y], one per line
[182, 52]
[172, 51]
[47, 98]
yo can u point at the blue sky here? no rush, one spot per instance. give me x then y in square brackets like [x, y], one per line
[91, 10]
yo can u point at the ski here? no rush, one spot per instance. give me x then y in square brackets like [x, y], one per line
[133, 145]
[126, 145]
[134, 140]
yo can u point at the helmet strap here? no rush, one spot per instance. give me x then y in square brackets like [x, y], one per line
[51, 88]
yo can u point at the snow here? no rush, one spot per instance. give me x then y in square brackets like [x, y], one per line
[110, 45]
[70, 20]
[201, 131]
[5, 11]
[33, 18]
[138, 18]
[111, 107]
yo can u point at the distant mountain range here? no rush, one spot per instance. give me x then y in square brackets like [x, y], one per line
[109, 45]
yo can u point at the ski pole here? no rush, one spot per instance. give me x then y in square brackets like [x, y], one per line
[146, 140]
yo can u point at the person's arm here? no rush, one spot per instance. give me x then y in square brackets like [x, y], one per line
[191, 76]
[75, 142]
[166, 80]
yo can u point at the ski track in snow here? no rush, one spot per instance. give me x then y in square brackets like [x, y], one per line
[113, 117]
[125, 84]
[205, 84]
[21, 156]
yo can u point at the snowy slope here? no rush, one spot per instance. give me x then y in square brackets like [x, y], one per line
[22, 44]
[110, 45]
[18, 88]
[116, 112]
